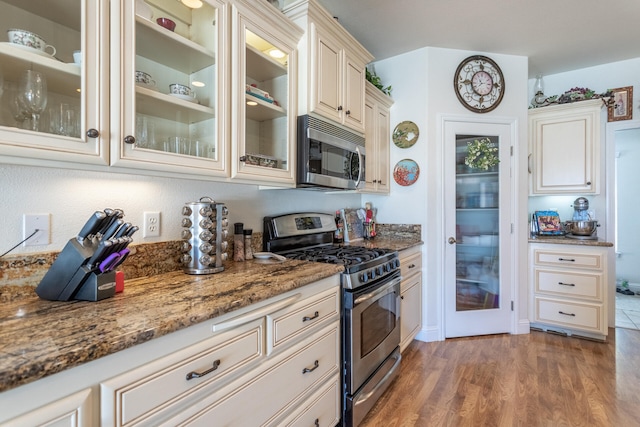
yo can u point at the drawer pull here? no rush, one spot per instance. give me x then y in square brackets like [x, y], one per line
[194, 374]
[411, 266]
[567, 314]
[315, 366]
[316, 422]
[567, 259]
[315, 316]
[566, 284]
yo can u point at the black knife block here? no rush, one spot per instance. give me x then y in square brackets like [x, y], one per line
[71, 278]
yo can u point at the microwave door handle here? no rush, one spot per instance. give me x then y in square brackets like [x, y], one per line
[361, 166]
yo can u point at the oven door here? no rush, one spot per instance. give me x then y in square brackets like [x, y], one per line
[371, 329]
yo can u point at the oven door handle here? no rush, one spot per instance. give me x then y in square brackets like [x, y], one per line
[383, 289]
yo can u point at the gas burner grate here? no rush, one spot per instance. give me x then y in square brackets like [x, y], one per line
[345, 255]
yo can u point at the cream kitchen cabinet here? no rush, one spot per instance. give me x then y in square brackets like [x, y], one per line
[153, 128]
[568, 288]
[275, 361]
[377, 131]
[332, 67]
[410, 295]
[264, 93]
[565, 148]
[69, 123]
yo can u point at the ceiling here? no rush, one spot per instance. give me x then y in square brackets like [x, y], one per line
[556, 35]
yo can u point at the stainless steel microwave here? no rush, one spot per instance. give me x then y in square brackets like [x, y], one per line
[329, 156]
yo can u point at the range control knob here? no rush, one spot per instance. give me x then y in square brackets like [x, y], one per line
[372, 274]
[388, 267]
[396, 263]
[380, 270]
[364, 277]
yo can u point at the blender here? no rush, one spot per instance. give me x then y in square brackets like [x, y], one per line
[582, 226]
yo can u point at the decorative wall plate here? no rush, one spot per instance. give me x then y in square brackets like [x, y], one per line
[406, 172]
[405, 134]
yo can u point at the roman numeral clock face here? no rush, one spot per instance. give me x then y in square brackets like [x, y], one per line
[479, 84]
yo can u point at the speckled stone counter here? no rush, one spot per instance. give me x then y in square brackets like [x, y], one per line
[562, 240]
[40, 338]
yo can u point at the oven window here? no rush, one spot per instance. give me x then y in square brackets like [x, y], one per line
[377, 322]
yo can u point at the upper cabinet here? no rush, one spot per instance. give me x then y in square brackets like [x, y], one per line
[53, 106]
[565, 148]
[377, 135]
[332, 67]
[264, 93]
[168, 86]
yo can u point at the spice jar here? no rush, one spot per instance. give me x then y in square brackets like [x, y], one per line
[238, 242]
[248, 250]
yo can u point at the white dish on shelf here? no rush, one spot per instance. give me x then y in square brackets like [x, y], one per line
[146, 86]
[185, 97]
[30, 49]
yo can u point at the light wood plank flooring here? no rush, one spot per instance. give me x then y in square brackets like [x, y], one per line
[538, 379]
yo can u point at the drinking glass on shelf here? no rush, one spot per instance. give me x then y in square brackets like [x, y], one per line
[33, 93]
[16, 107]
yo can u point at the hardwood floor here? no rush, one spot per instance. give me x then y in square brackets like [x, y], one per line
[538, 379]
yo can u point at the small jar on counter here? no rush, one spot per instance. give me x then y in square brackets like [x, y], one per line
[248, 249]
[238, 242]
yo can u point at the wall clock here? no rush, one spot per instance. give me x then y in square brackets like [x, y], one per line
[479, 84]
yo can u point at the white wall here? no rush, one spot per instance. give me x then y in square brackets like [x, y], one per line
[422, 82]
[72, 196]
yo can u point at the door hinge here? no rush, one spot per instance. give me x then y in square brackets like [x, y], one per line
[511, 228]
[511, 150]
[511, 305]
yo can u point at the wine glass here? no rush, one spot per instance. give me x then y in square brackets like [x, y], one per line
[33, 93]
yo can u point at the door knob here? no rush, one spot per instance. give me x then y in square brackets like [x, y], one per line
[452, 240]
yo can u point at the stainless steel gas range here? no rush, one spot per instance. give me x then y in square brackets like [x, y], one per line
[370, 304]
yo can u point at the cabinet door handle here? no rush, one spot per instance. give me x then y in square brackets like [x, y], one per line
[316, 423]
[401, 296]
[315, 316]
[567, 259]
[243, 158]
[452, 240]
[347, 112]
[411, 266]
[340, 108]
[315, 366]
[588, 182]
[129, 139]
[193, 374]
[566, 284]
[567, 314]
[529, 163]
[93, 133]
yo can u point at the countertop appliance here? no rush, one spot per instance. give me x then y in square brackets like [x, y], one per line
[370, 304]
[329, 156]
[582, 226]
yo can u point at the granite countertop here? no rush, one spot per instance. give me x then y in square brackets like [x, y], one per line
[40, 338]
[563, 240]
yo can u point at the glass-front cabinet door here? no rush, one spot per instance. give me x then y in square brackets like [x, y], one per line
[264, 64]
[168, 96]
[52, 89]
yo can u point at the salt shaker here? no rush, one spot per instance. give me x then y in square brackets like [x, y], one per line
[238, 242]
[248, 250]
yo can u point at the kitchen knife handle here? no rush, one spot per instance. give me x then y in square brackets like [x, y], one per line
[91, 225]
[113, 228]
[122, 231]
[99, 253]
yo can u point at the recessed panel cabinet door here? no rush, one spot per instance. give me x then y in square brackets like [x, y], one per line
[52, 100]
[329, 68]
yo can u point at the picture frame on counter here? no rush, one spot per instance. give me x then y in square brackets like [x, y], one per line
[622, 106]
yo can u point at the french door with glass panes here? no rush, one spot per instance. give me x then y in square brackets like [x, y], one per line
[478, 228]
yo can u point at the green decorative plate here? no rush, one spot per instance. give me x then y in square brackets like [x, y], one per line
[405, 134]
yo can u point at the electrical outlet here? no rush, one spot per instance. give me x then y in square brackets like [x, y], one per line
[151, 224]
[41, 222]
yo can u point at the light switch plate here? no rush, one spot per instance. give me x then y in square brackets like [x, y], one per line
[41, 222]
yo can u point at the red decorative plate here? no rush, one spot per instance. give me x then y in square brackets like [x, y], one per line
[406, 172]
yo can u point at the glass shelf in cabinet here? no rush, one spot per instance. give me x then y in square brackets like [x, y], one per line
[476, 174]
[260, 67]
[153, 103]
[171, 49]
[62, 78]
[263, 110]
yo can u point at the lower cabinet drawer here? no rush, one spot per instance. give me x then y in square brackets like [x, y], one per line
[323, 409]
[574, 283]
[144, 394]
[574, 315]
[266, 398]
[292, 322]
[569, 259]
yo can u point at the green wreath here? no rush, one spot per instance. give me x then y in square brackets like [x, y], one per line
[481, 154]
